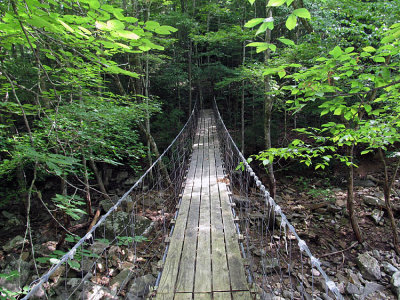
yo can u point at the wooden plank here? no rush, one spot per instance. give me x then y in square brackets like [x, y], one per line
[202, 296]
[203, 259]
[222, 295]
[183, 296]
[220, 271]
[167, 296]
[185, 279]
[235, 263]
[171, 266]
[242, 295]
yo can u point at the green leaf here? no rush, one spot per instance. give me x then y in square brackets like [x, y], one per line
[369, 49]
[286, 41]
[379, 59]
[365, 152]
[349, 73]
[94, 4]
[115, 25]
[349, 49]
[262, 28]
[282, 74]
[367, 108]
[69, 28]
[276, 2]
[253, 22]
[127, 34]
[85, 30]
[336, 52]
[152, 25]
[252, 1]
[256, 44]
[262, 46]
[291, 22]
[338, 111]
[42, 260]
[302, 13]
[74, 264]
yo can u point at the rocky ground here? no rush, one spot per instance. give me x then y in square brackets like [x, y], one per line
[315, 207]
[317, 210]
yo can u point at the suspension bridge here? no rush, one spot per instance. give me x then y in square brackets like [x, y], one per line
[214, 232]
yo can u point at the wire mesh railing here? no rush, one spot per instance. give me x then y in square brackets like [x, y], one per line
[119, 257]
[279, 263]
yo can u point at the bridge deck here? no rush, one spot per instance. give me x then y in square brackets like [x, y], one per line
[204, 260]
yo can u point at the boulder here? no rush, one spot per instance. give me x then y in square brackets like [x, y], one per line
[98, 247]
[16, 280]
[395, 284]
[96, 292]
[121, 176]
[370, 288]
[106, 204]
[369, 266]
[11, 220]
[270, 264]
[121, 279]
[131, 181]
[14, 243]
[377, 215]
[241, 201]
[389, 268]
[116, 224]
[373, 201]
[352, 289]
[364, 183]
[140, 286]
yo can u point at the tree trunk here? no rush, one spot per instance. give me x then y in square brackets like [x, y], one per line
[268, 105]
[153, 144]
[146, 93]
[350, 197]
[98, 177]
[87, 187]
[190, 76]
[387, 187]
[242, 108]
[67, 219]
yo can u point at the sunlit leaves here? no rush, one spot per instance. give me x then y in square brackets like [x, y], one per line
[291, 22]
[336, 52]
[264, 26]
[126, 34]
[369, 49]
[267, 23]
[262, 46]
[302, 13]
[276, 2]
[286, 41]
[392, 34]
[253, 22]
[69, 28]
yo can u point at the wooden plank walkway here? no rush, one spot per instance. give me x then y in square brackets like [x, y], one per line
[204, 260]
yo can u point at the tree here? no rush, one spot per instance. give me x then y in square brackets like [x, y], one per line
[359, 92]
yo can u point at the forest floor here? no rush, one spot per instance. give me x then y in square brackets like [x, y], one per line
[317, 209]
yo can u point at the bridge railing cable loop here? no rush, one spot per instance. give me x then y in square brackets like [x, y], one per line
[271, 234]
[150, 184]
